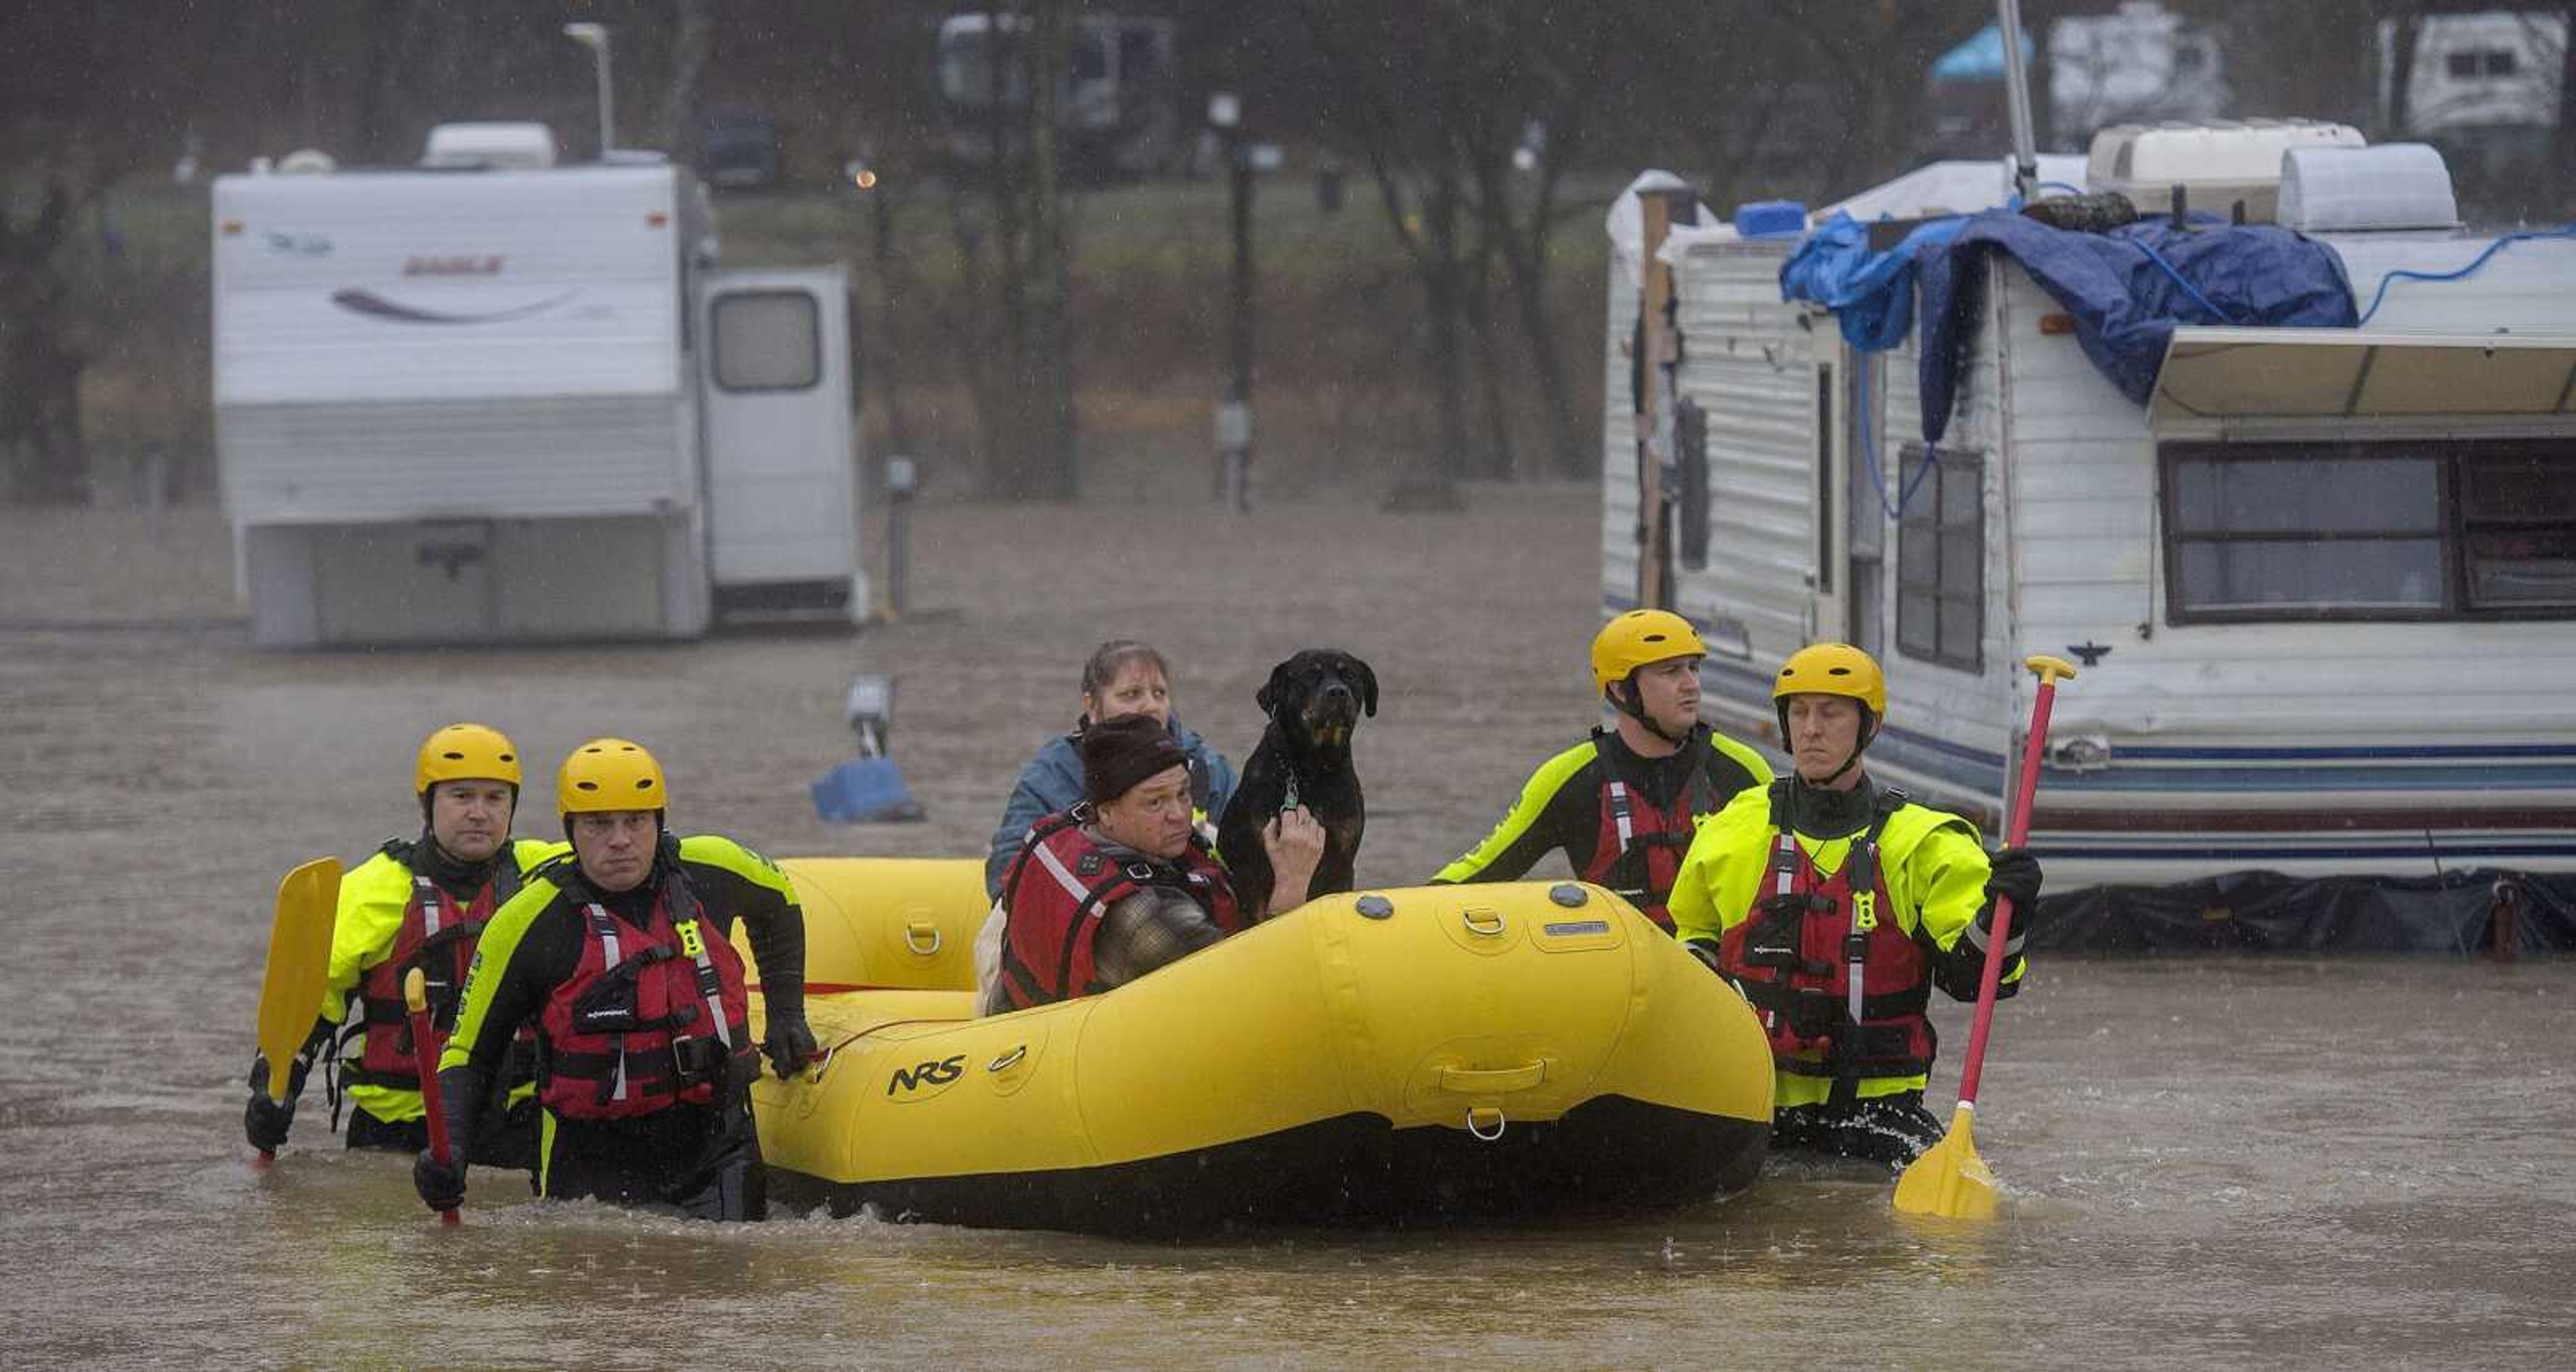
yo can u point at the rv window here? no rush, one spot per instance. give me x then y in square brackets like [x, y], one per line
[1690, 441]
[2462, 65]
[2499, 61]
[1825, 479]
[1867, 506]
[767, 341]
[2519, 531]
[1941, 557]
[2397, 530]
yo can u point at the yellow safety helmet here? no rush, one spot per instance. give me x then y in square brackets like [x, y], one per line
[1639, 637]
[1833, 669]
[466, 752]
[608, 774]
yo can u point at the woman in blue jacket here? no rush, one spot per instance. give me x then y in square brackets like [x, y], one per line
[1122, 677]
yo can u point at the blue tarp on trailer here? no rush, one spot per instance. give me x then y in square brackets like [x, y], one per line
[2126, 289]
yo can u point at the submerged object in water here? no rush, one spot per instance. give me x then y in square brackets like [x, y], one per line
[1432, 1054]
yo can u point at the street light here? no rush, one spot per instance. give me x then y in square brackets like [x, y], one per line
[595, 38]
[1234, 410]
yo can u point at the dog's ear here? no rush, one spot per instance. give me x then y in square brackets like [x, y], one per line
[1275, 690]
[1368, 683]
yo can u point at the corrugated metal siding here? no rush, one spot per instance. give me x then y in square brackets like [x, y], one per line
[2526, 288]
[410, 286]
[1618, 446]
[2090, 564]
[1956, 707]
[1750, 364]
[571, 456]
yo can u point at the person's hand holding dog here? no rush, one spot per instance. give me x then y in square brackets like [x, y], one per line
[1294, 842]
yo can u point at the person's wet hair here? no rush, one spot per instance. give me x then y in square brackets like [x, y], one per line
[1113, 657]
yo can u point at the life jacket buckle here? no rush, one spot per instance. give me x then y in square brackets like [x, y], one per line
[696, 1059]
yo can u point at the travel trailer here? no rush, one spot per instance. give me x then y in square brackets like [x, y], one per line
[2483, 86]
[2140, 63]
[500, 399]
[1121, 114]
[2319, 584]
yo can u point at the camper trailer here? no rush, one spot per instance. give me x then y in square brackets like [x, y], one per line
[2140, 63]
[500, 399]
[1121, 112]
[2319, 587]
[2483, 85]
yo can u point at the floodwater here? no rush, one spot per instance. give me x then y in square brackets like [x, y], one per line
[2286, 1163]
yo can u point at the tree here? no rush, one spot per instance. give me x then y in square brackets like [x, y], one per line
[85, 107]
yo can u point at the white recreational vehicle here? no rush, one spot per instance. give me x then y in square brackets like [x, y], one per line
[498, 399]
[2320, 587]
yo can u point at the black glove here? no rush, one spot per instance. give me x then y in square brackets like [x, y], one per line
[264, 1121]
[790, 1045]
[441, 1184]
[2016, 876]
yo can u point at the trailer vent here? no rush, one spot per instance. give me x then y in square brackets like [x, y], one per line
[2393, 186]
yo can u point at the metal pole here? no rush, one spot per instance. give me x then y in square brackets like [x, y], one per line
[1239, 453]
[2017, 97]
[607, 103]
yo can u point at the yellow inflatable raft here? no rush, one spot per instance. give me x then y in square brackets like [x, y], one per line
[1430, 1054]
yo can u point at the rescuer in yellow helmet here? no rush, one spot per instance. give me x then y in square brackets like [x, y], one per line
[1836, 905]
[417, 903]
[1621, 804]
[620, 956]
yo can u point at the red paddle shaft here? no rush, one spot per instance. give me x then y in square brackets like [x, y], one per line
[424, 1047]
[2016, 833]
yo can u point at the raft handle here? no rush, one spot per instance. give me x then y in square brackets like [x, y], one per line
[1008, 1059]
[1471, 1081]
[1482, 921]
[1476, 1115]
[912, 935]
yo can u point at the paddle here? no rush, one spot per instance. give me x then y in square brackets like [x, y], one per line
[424, 1047]
[1950, 1179]
[299, 963]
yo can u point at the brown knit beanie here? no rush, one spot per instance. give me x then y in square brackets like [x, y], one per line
[1118, 753]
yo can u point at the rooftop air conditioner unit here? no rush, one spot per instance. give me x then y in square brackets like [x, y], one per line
[516, 146]
[2218, 164]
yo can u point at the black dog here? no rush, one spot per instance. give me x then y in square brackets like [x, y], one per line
[1314, 700]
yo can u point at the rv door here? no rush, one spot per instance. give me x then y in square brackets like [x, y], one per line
[782, 458]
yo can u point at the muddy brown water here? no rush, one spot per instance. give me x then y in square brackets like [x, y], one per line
[2290, 1162]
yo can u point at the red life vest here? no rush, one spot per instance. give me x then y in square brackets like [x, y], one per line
[1829, 966]
[1639, 851]
[1062, 882]
[436, 935]
[651, 1017]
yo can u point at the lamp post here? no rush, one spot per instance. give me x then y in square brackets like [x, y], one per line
[1234, 410]
[595, 38]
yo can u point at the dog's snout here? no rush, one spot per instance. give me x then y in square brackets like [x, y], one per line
[1334, 690]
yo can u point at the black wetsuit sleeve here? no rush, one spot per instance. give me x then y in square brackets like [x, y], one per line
[524, 972]
[1559, 811]
[733, 883]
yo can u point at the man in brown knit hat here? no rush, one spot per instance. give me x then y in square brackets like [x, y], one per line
[1121, 884]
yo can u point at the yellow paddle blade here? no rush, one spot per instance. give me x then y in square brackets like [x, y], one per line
[1949, 1179]
[299, 962]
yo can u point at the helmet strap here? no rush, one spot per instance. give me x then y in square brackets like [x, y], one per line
[1634, 707]
[1868, 731]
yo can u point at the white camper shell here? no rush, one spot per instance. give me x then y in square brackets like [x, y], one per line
[459, 406]
[2365, 674]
